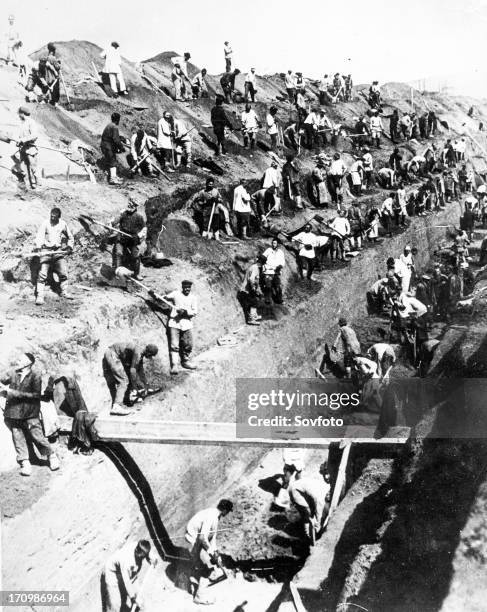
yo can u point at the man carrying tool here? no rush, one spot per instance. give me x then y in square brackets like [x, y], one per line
[250, 126]
[265, 201]
[119, 575]
[350, 344]
[201, 532]
[111, 144]
[113, 67]
[141, 147]
[340, 227]
[165, 127]
[219, 121]
[27, 149]
[274, 262]
[335, 176]
[53, 235]
[52, 74]
[177, 78]
[227, 83]
[126, 247]
[123, 369]
[291, 178]
[208, 208]
[22, 388]
[180, 325]
[242, 208]
[183, 143]
[199, 88]
[273, 126]
[250, 292]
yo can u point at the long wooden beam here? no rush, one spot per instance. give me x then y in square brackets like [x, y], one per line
[116, 429]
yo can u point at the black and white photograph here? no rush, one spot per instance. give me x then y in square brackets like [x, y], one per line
[243, 273]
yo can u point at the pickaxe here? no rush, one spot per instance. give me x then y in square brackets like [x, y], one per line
[83, 219]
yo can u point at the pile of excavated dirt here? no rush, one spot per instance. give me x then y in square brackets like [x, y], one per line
[96, 499]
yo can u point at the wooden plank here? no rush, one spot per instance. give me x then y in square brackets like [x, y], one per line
[298, 604]
[126, 429]
[340, 481]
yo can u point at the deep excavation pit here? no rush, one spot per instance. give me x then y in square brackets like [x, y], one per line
[198, 475]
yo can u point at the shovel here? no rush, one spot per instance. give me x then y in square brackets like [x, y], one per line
[85, 219]
[124, 273]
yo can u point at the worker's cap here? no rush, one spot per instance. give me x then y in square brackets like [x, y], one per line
[187, 55]
[225, 505]
[151, 350]
[115, 44]
[187, 283]
[426, 277]
[356, 119]
[390, 261]
[342, 321]
[51, 46]
[299, 73]
[143, 549]
[407, 248]
[177, 64]
[23, 110]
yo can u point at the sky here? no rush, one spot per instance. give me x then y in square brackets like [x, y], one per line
[386, 40]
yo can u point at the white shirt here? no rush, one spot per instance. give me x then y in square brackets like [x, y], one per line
[241, 199]
[271, 124]
[249, 120]
[338, 167]
[227, 49]
[186, 302]
[272, 176]
[54, 236]
[406, 260]
[290, 81]
[368, 161]
[27, 131]
[183, 64]
[181, 132]
[205, 524]
[164, 134]
[412, 305]
[341, 225]
[122, 563]
[251, 77]
[367, 366]
[307, 239]
[380, 349]
[113, 61]
[312, 118]
[274, 258]
[386, 208]
[376, 124]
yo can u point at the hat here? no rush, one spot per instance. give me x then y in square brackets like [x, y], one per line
[187, 283]
[151, 350]
[115, 44]
[24, 110]
[407, 248]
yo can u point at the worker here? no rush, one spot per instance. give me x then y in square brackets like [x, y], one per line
[111, 144]
[348, 88]
[180, 325]
[374, 94]
[265, 201]
[177, 78]
[360, 133]
[323, 88]
[273, 177]
[306, 258]
[53, 235]
[319, 192]
[272, 126]
[208, 209]
[26, 155]
[376, 128]
[113, 67]
[21, 387]
[291, 178]
[126, 245]
[357, 225]
[405, 124]
[387, 213]
[182, 143]
[121, 575]
[311, 129]
[141, 147]
[242, 208]
[182, 62]
[350, 344]
[368, 164]
[123, 369]
[13, 37]
[335, 178]
[377, 296]
[394, 125]
[386, 177]
[250, 125]
[251, 291]
[357, 176]
[228, 52]
[52, 74]
[201, 534]
[290, 84]
[227, 83]
[250, 85]
[384, 356]
[407, 263]
[219, 121]
[165, 131]
[274, 262]
[300, 83]
[199, 87]
[310, 496]
[341, 229]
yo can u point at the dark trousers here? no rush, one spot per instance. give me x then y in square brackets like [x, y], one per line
[291, 92]
[305, 262]
[126, 255]
[249, 91]
[334, 184]
[180, 343]
[272, 288]
[220, 139]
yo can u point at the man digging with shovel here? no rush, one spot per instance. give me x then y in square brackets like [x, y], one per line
[126, 247]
